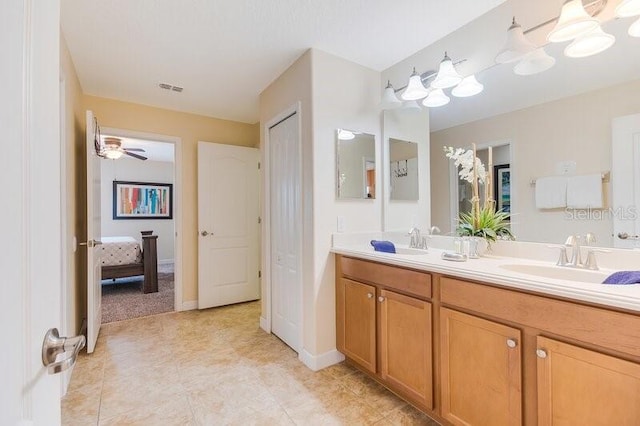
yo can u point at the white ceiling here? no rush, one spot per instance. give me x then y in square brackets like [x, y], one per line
[225, 52]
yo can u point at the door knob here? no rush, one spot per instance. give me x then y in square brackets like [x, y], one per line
[541, 353]
[205, 233]
[380, 299]
[369, 295]
[53, 345]
[91, 243]
[512, 343]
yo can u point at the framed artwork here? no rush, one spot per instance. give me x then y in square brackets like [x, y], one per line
[502, 187]
[142, 200]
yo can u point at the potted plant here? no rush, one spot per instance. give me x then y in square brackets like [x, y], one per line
[483, 222]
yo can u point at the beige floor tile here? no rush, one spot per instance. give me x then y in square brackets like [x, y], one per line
[174, 412]
[81, 404]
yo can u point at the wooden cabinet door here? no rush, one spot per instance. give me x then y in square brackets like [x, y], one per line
[356, 322]
[481, 371]
[577, 386]
[405, 346]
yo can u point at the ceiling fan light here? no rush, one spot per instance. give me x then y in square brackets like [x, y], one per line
[415, 89]
[590, 44]
[436, 98]
[516, 46]
[447, 75]
[389, 98]
[628, 8]
[113, 154]
[634, 29]
[469, 86]
[534, 63]
[573, 22]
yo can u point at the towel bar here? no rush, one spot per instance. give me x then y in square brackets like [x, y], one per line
[606, 177]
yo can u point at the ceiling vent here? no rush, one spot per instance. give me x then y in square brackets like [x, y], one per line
[166, 86]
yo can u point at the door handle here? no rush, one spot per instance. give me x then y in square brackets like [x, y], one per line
[53, 345]
[91, 243]
[205, 233]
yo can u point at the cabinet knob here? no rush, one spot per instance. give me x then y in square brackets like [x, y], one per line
[541, 353]
[512, 343]
[369, 295]
[380, 299]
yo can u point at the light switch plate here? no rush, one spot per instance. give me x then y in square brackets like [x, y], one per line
[341, 224]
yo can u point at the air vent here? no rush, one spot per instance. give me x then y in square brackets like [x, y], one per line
[166, 86]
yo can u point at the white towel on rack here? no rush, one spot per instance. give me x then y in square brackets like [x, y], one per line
[551, 192]
[584, 192]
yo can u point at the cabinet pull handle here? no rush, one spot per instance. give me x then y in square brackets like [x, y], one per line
[380, 299]
[369, 295]
[512, 343]
[541, 353]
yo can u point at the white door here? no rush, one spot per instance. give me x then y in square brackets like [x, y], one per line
[625, 180]
[30, 253]
[286, 230]
[228, 214]
[94, 268]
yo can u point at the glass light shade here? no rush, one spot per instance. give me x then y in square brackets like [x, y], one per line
[469, 86]
[345, 135]
[113, 154]
[415, 89]
[447, 75]
[535, 62]
[634, 29]
[389, 98]
[516, 46]
[436, 98]
[590, 44]
[628, 8]
[411, 106]
[573, 22]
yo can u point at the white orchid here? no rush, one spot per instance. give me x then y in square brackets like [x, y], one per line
[463, 158]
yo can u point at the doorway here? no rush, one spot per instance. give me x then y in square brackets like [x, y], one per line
[124, 297]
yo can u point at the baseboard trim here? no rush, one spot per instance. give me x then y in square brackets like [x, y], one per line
[265, 325]
[189, 305]
[318, 362]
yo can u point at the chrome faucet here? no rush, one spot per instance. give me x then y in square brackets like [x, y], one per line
[573, 241]
[416, 241]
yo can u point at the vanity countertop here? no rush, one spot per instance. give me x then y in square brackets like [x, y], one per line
[499, 270]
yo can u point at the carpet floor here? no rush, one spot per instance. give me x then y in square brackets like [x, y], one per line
[124, 299]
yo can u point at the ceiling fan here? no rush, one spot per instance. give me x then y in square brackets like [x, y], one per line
[112, 149]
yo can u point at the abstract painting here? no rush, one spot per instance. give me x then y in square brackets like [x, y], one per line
[142, 200]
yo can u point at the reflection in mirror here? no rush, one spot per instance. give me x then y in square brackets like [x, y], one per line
[355, 165]
[403, 169]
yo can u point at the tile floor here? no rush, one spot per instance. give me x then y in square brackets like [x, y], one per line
[217, 367]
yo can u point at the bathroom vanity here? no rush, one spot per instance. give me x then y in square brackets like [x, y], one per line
[476, 343]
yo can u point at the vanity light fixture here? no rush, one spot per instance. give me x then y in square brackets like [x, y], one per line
[447, 75]
[516, 46]
[345, 135]
[628, 8]
[436, 98]
[534, 63]
[573, 22]
[389, 98]
[415, 89]
[469, 86]
[634, 29]
[589, 44]
[411, 106]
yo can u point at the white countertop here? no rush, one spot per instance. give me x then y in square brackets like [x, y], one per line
[490, 269]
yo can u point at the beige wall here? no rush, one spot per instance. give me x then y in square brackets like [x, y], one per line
[190, 128]
[74, 146]
[577, 128]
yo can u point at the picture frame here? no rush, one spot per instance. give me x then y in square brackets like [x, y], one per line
[142, 200]
[502, 187]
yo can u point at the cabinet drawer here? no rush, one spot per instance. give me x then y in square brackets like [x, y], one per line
[610, 329]
[405, 280]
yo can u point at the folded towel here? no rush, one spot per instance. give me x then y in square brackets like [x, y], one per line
[584, 192]
[384, 246]
[623, 277]
[551, 192]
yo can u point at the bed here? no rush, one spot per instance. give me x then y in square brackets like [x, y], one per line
[123, 257]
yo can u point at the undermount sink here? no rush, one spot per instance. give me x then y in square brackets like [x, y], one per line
[410, 250]
[558, 272]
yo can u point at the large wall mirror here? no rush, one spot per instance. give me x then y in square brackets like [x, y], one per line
[355, 165]
[403, 170]
[561, 116]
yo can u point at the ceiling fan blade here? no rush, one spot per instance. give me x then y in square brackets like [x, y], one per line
[139, 157]
[134, 149]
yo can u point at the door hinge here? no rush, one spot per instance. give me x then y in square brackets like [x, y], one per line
[259, 219]
[258, 165]
[259, 274]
